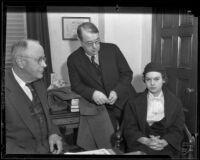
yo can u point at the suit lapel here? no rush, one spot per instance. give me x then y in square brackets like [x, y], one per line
[104, 62]
[169, 106]
[141, 106]
[21, 103]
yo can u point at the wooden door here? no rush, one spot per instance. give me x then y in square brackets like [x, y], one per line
[174, 44]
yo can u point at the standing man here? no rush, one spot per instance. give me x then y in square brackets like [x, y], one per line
[100, 73]
[29, 129]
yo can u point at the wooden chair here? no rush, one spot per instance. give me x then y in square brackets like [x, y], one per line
[187, 146]
[119, 140]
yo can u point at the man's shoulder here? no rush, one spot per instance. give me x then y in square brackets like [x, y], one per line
[8, 76]
[76, 53]
[8, 71]
[103, 44]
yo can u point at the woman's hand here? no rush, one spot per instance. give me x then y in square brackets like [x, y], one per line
[154, 142]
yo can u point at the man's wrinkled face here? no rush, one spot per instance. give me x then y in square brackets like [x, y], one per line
[34, 61]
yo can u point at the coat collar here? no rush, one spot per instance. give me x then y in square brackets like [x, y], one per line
[141, 107]
[169, 104]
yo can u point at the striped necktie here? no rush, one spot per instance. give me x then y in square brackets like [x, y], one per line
[94, 63]
[34, 94]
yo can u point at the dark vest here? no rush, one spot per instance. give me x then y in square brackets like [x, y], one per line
[40, 122]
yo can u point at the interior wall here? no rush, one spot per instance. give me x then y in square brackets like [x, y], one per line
[130, 31]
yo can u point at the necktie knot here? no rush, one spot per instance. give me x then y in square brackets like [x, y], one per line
[29, 85]
[92, 59]
[94, 63]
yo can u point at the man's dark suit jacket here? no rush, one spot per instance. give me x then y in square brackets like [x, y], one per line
[21, 134]
[135, 119]
[116, 74]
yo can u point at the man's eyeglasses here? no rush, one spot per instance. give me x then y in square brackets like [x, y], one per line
[38, 60]
[90, 43]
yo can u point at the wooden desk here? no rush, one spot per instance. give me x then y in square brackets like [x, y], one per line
[68, 123]
[67, 119]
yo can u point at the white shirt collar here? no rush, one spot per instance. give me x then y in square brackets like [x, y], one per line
[22, 85]
[18, 79]
[96, 57]
[151, 96]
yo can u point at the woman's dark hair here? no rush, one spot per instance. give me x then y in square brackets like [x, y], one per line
[155, 67]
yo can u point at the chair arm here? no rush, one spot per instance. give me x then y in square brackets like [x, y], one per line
[118, 135]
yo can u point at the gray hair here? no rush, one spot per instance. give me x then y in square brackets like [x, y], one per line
[21, 45]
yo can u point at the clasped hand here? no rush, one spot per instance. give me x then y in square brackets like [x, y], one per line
[154, 142]
[100, 98]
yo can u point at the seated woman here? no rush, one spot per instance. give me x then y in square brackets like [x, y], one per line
[154, 120]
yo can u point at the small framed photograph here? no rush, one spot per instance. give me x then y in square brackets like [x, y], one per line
[69, 26]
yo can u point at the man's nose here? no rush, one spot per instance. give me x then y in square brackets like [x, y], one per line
[43, 64]
[94, 45]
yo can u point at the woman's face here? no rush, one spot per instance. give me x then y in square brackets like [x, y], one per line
[154, 82]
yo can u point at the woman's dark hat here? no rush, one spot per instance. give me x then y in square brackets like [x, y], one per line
[154, 67]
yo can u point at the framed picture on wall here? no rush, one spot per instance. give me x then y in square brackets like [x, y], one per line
[69, 26]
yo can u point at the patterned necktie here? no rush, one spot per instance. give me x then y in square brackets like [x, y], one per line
[34, 94]
[94, 63]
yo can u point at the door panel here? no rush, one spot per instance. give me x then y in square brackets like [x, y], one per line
[185, 49]
[174, 44]
[167, 51]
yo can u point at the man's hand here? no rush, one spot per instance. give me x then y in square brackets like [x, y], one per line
[112, 97]
[99, 98]
[55, 144]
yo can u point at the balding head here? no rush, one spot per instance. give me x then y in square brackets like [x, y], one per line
[19, 47]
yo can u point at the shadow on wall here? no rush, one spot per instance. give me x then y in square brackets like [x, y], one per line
[138, 83]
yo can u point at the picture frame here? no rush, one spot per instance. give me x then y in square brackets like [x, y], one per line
[69, 26]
